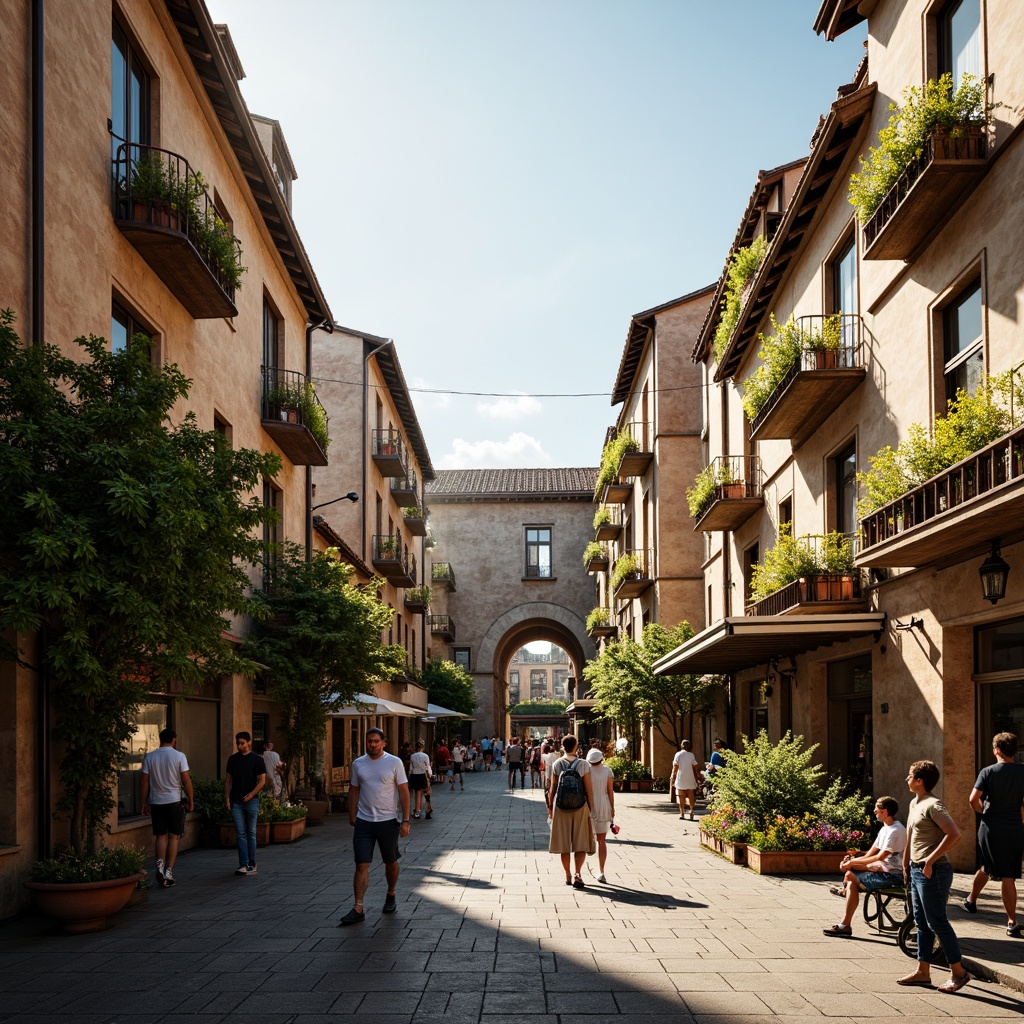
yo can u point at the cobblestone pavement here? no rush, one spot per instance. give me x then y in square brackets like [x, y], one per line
[487, 931]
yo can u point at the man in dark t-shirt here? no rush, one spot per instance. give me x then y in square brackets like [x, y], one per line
[998, 797]
[245, 776]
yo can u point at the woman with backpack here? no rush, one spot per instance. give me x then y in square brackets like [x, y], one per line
[570, 798]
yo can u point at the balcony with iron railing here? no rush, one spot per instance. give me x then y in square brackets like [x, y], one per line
[387, 449]
[404, 489]
[162, 207]
[636, 463]
[733, 493]
[955, 512]
[632, 574]
[415, 519]
[934, 184]
[443, 626]
[600, 623]
[608, 523]
[393, 560]
[442, 573]
[828, 370]
[292, 415]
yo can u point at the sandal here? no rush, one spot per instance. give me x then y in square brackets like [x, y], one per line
[954, 984]
[838, 890]
[568, 879]
[578, 883]
[915, 979]
[1016, 930]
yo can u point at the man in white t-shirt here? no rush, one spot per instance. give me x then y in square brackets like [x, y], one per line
[458, 759]
[377, 787]
[164, 778]
[685, 776]
[880, 868]
[272, 759]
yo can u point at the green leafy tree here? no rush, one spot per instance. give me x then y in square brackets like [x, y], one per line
[539, 706]
[319, 636]
[126, 539]
[450, 686]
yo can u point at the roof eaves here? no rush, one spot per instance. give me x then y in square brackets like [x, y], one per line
[838, 16]
[848, 112]
[329, 534]
[203, 44]
[391, 371]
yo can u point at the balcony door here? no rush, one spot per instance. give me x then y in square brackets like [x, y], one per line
[850, 721]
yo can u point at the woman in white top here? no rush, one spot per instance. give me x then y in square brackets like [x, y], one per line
[603, 808]
[419, 778]
[548, 756]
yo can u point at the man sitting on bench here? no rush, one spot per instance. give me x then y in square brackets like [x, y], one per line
[880, 868]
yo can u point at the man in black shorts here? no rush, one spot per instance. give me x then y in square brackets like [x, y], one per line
[514, 756]
[164, 779]
[376, 788]
[997, 796]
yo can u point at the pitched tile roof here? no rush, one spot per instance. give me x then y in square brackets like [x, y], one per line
[458, 485]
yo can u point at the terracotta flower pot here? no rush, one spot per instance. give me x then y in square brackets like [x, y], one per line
[83, 906]
[287, 831]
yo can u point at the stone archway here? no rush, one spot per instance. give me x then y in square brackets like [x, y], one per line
[535, 620]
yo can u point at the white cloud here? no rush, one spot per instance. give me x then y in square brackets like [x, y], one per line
[424, 397]
[510, 408]
[520, 451]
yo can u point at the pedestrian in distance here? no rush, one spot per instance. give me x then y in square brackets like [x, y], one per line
[419, 779]
[378, 810]
[569, 801]
[485, 749]
[514, 757]
[245, 776]
[602, 810]
[931, 834]
[458, 759]
[497, 748]
[536, 766]
[164, 778]
[272, 760]
[442, 758]
[880, 868]
[548, 756]
[685, 778]
[998, 796]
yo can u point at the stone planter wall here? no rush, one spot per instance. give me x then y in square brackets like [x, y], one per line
[794, 862]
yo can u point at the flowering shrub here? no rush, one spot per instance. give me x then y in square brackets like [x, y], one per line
[729, 823]
[806, 833]
[102, 865]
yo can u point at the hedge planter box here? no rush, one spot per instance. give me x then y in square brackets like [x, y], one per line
[708, 840]
[736, 853]
[794, 862]
[287, 831]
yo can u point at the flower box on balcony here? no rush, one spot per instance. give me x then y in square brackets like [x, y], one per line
[794, 862]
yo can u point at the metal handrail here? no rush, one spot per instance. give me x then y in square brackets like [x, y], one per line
[154, 186]
[387, 442]
[996, 464]
[736, 476]
[972, 145]
[442, 572]
[441, 624]
[287, 389]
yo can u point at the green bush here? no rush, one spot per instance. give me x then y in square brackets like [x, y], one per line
[102, 865]
[971, 422]
[208, 801]
[742, 266]
[902, 140]
[793, 558]
[779, 351]
[768, 780]
[625, 565]
[602, 516]
[314, 416]
[592, 550]
[626, 769]
[701, 492]
[598, 617]
[844, 808]
[611, 456]
[419, 594]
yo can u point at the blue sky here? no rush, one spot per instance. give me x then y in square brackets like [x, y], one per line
[499, 185]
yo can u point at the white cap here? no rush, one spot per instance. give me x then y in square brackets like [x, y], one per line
[594, 756]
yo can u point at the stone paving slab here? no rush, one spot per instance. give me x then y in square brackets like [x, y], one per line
[487, 933]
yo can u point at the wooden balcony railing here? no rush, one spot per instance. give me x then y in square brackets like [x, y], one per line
[956, 510]
[810, 594]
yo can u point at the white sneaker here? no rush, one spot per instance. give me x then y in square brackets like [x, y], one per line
[159, 872]
[242, 871]
[251, 869]
[168, 879]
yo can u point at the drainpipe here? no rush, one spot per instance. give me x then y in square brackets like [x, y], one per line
[327, 326]
[366, 410]
[42, 772]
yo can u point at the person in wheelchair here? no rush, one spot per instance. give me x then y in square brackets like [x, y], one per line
[880, 868]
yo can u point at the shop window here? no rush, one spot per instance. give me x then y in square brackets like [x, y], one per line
[149, 720]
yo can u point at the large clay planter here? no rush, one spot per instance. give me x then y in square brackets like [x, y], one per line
[708, 840]
[734, 852]
[287, 831]
[83, 906]
[316, 810]
[262, 833]
[644, 785]
[794, 862]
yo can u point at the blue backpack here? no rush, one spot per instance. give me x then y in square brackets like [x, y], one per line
[571, 793]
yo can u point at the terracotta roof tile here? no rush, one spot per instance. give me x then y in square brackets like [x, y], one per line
[570, 484]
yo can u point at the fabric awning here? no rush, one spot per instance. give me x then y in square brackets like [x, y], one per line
[740, 642]
[366, 705]
[435, 711]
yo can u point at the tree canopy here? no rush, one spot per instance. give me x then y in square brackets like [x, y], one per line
[320, 638]
[450, 686]
[126, 539]
[625, 688]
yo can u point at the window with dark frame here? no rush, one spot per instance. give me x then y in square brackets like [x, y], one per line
[959, 40]
[462, 657]
[785, 511]
[845, 465]
[271, 335]
[272, 498]
[513, 687]
[123, 328]
[538, 552]
[538, 682]
[130, 92]
[963, 342]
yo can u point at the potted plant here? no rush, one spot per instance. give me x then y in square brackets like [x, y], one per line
[284, 402]
[594, 556]
[82, 892]
[288, 823]
[387, 546]
[314, 416]
[627, 566]
[702, 493]
[825, 344]
[778, 353]
[730, 486]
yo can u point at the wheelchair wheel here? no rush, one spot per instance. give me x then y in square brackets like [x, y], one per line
[884, 911]
[906, 938]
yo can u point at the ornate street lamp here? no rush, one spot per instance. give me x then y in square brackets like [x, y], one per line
[993, 574]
